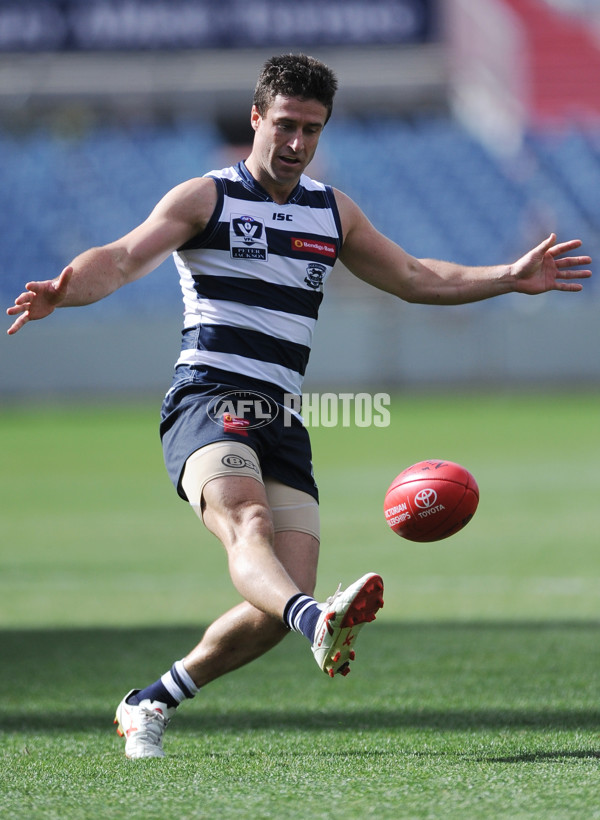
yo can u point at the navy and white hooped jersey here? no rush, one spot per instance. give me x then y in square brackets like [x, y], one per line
[252, 281]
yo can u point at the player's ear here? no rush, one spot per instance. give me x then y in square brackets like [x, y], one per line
[255, 118]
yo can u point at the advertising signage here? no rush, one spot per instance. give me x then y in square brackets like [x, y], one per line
[100, 25]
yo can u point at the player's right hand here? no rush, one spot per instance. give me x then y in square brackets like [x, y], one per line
[39, 300]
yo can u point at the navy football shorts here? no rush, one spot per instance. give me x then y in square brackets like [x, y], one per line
[197, 411]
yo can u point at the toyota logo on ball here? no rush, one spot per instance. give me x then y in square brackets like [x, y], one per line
[425, 499]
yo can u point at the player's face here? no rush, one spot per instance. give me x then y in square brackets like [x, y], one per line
[285, 141]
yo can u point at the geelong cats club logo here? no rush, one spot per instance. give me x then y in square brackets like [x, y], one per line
[314, 275]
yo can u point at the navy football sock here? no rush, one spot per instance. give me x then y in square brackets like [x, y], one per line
[173, 687]
[156, 691]
[301, 614]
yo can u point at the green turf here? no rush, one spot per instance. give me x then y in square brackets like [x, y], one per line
[441, 721]
[475, 694]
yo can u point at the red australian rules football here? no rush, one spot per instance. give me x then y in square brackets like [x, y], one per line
[431, 500]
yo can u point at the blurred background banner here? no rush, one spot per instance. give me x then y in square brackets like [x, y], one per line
[41, 25]
[465, 130]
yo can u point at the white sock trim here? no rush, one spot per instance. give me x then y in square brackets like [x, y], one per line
[173, 688]
[185, 677]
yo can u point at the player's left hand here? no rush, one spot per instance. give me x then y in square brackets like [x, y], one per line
[546, 268]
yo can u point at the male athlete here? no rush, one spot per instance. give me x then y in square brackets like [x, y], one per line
[254, 245]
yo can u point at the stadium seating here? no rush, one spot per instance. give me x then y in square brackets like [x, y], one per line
[425, 182]
[432, 187]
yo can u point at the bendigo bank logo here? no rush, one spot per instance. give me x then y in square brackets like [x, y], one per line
[303, 245]
[238, 411]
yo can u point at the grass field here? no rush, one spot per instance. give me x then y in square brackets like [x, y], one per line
[474, 695]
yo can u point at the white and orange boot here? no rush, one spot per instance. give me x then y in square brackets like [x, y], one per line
[143, 726]
[344, 615]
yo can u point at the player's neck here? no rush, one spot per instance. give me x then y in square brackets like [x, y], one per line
[278, 191]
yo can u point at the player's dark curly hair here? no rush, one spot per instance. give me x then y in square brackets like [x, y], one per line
[295, 75]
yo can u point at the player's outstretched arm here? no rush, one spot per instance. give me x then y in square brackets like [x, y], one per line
[98, 272]
[542, 269]
[377, 260]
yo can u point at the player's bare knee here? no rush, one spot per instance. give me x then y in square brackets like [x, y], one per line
[239, 525]
[252, 520]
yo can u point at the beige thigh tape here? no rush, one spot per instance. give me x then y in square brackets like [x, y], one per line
[215, 460]
[292, 509]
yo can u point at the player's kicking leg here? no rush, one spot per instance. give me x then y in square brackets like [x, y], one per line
[275, 575]
[238, 637]
[277, 580]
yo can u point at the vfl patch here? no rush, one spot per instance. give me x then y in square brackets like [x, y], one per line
[247, 237]
[313, 246]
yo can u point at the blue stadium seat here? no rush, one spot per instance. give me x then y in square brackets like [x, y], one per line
[425, 183]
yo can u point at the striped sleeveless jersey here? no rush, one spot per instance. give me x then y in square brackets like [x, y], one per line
[252, 281]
